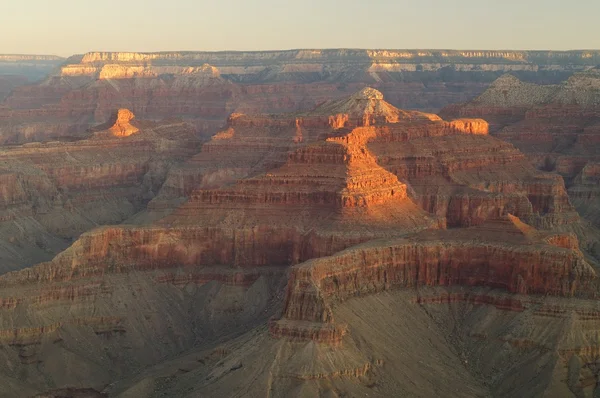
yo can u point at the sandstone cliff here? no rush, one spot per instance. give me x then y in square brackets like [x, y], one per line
[503, 254]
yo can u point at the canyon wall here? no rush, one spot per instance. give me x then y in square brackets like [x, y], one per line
[503, 253]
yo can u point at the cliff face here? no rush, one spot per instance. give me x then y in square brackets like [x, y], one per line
[205, 88]
[111, 327]
[535, 57]
[504, 253]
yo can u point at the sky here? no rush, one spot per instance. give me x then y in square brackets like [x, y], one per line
[66, 27]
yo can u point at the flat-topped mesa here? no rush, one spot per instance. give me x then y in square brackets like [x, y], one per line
[569, 58]
[121, 123]
[130, 71]
[503, 253]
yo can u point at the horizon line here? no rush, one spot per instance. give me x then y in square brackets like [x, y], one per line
[297, 49]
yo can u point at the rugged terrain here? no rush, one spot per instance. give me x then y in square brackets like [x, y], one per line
[557, 126]
[53, 192]
[354, 249]
[203, 88]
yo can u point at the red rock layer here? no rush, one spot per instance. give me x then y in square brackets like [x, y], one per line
[504, 254]
[557, 127]
[454, 169]
[464, 177]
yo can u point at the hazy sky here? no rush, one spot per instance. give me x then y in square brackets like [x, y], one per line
[65, 27]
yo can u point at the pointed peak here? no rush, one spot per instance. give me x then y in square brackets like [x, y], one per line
[506, 79]
[365, 107]
[367, 93]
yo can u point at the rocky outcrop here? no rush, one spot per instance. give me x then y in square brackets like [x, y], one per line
[504, 254]
[122, 127]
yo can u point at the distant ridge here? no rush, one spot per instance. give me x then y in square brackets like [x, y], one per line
[577, 57]
[28, 57]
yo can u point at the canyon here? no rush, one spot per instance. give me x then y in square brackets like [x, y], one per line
[274, 224]
[204, 88]
[265, 236]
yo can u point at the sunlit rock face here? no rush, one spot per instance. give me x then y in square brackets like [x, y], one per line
[122, 126]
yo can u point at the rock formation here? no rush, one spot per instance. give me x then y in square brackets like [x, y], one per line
[454, 169]
[556, 126]
[122, 126]
[53, 192]
[503, 253]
